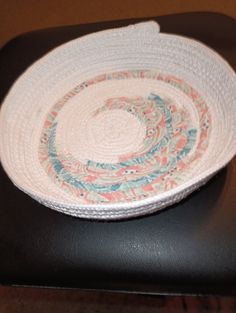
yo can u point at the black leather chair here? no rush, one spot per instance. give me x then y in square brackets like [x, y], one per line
[187, 248]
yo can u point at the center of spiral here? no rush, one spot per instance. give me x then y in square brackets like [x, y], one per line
[112, 134]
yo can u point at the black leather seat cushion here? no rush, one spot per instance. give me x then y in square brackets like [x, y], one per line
[188, 248]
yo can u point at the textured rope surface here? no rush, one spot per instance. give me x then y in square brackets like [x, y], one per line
[119, 123]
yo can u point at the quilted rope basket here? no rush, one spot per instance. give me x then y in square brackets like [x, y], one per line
[119, 123]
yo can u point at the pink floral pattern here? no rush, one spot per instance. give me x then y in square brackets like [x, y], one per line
[170, 149]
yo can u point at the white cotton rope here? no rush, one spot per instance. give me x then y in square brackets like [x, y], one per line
[119, 123]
